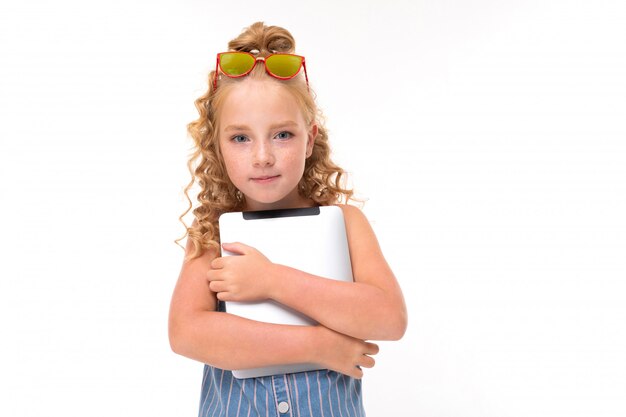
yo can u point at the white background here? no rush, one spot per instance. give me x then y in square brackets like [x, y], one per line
[494, 161]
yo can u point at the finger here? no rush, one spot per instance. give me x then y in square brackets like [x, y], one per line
[223, 296]
[371, 348]
[367, 362]
[217, 263]
[217, 286]
[236, 247]
[356, 372]
[214, 275]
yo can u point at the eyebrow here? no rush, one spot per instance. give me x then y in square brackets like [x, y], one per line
[287, 123]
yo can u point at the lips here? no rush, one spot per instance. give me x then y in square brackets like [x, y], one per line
[265, 178]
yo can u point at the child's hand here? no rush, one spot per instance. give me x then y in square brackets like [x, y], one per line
[246, 277]
[343, 353]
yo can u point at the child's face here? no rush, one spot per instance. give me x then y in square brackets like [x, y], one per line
[264, 140]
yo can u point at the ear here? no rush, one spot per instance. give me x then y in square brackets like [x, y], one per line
[313, 131]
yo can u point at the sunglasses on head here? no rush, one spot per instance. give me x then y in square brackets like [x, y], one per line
[239, 64]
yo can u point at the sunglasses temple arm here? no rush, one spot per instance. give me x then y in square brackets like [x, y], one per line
[217, 62]
[306, 77]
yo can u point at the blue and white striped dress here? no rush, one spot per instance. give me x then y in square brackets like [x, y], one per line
[322, 393]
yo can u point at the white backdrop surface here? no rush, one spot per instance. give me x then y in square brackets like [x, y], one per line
[494, 162]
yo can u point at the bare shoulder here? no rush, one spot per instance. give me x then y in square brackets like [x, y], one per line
[361, 237]
[206, 255]
[355, 218]
[347, 208]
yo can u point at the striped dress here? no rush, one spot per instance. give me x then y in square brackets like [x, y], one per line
[322, 393]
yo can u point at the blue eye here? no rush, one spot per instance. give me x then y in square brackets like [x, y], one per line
[284, 135]
[239, 139]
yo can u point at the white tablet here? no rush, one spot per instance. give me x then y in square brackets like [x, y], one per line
[311, 239]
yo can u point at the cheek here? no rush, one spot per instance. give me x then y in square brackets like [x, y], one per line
[232, 164]
[289, 155]
[297, 162]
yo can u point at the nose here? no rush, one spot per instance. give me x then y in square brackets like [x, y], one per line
[263, 154]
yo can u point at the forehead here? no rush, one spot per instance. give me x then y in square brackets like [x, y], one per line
[259, 102]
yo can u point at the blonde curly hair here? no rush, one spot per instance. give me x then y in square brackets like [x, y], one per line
[323, 181]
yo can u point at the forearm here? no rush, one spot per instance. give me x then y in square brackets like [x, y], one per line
[231, 342]
[356, 309]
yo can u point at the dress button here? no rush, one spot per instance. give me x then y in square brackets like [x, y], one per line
[283, 407]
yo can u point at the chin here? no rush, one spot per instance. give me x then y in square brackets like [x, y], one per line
[272, 203]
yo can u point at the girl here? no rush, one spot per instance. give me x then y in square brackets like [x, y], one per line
[259, 145]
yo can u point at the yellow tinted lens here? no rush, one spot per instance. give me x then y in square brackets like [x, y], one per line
[285, 66]
[236, 63]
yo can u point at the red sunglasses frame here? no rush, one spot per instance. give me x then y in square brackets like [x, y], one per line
[256, 60]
